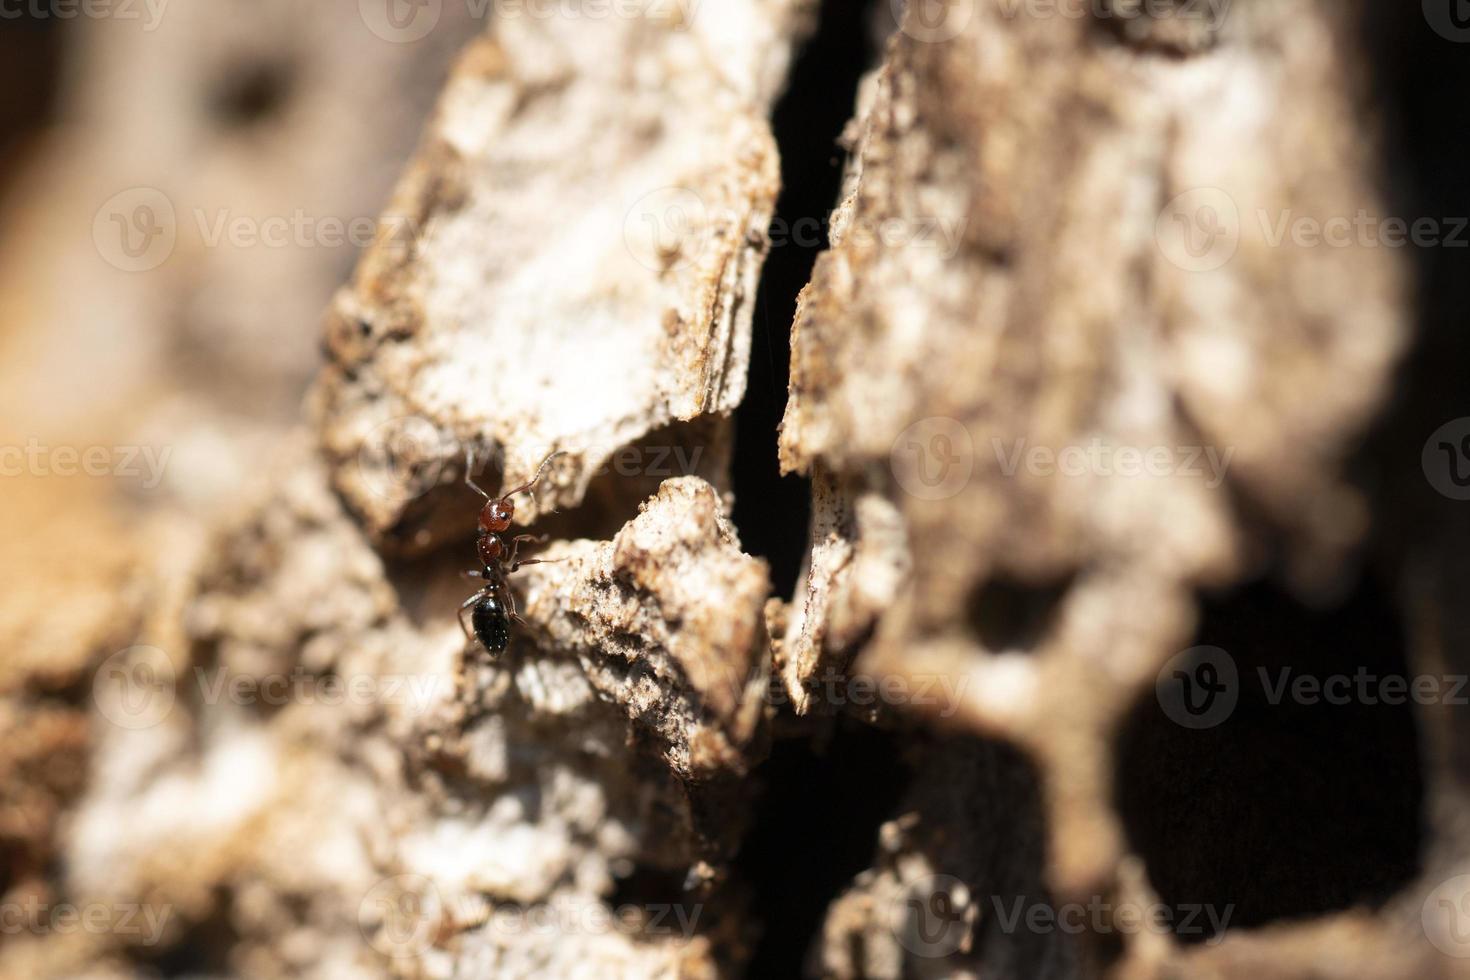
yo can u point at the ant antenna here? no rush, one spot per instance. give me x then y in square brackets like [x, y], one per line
[537, 478]
[469, 473]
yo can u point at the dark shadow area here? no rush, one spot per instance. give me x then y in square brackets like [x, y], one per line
[979, 802]
[203, 951]
[1010, 615]
[1306, 798]
[772, 511]
[815, 827]
[31, 50]
[251, 93]
[1420, 72]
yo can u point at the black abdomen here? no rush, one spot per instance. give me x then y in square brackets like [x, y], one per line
[491, 623]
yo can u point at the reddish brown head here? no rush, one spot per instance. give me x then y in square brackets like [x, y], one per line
[495, 516]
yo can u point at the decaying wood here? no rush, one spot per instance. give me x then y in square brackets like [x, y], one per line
[636, 611]
[628, 163]
[257, 716]
[1073, 314]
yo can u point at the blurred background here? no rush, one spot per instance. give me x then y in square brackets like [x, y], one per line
[183, 186]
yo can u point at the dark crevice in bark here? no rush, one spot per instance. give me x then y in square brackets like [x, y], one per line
[772, 511]
[204, 949]
[1304, 797]
[1013, 616]
[1418, 66]
[818, 818]
[814, 829]
[32, 48]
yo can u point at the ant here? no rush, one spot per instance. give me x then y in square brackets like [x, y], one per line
[494, 607]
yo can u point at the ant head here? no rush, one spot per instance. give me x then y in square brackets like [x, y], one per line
[495, 516]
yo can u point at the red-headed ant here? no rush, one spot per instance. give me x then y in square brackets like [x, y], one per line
[494, 607]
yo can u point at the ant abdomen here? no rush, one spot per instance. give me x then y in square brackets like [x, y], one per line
[492, 623]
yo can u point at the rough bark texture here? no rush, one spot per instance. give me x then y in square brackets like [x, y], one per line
[239, 699]
[626, 174]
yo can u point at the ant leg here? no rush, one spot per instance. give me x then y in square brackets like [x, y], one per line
[515, 544]
[473, 574]
[537, 478]
[510, 604]
[462, 607]
[534, 561]
[469, 472]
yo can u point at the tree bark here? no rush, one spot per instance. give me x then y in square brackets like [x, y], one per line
[1077, 396]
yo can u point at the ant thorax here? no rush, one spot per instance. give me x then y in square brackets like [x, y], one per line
[490, 548]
